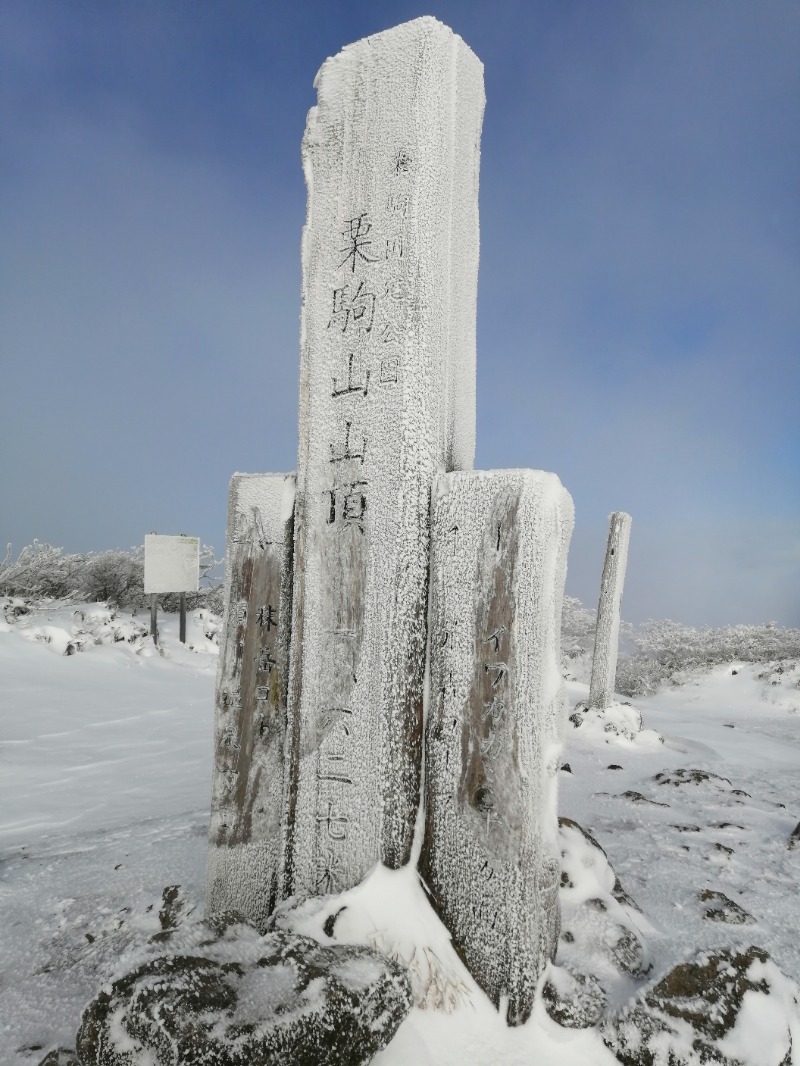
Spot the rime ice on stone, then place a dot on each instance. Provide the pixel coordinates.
(606, 641)
(245, 836)
(490, 855)
(387, 397)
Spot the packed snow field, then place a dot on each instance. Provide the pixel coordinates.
(106, 753)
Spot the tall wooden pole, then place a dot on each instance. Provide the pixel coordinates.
(182, 634)
(606, 640)
(387, 401)
(154, 618)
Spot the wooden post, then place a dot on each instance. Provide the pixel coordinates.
(154, 618)
(490, 855)
(606, 639)
(182, 635)
(246, 834)
(387, 401)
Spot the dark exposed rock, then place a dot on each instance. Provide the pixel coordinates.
(687, 828)
(596, 905)
(172, 907)
(637, 797)
(628, 953)
(687, 777)
(566, 768)
(722, 909)
(794, 837)
(574, 1000)
(60, 1057)
(621, 896)
(175, 908)
(683, 1018)
(330, 922)
(291, 1001)
(576, 718)
(614, 766)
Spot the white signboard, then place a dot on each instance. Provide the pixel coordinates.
(171, 564)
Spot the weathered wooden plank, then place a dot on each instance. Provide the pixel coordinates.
(490, 854)
(246, 837)
(606, 639)
(387, 394)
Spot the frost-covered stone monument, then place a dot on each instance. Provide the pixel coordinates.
(327, 665)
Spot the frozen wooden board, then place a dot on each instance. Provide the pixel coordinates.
(490, 855)
(246, 836)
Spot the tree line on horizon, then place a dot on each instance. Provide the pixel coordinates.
(655, 653)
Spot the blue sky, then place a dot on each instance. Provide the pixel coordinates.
(639, 288)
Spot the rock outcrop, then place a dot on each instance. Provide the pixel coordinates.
(279, 999)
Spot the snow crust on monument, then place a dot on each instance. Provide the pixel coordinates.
(387, 401)
(490, 854)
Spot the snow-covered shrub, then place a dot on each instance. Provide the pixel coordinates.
(44, 572)
(40, 571)
(113, 577)
(577, 629)
(668, 652)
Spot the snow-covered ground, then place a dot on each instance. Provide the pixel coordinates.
(105, 780)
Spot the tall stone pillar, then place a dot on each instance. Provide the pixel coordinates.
(246, 837)
(490, 855)
(606, 640)
(387, 397)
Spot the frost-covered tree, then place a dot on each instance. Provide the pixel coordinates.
(44, 572)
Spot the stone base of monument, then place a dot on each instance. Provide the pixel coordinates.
(230, 996)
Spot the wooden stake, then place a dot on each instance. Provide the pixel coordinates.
(183, 619)
(154, 618)
(606, 641)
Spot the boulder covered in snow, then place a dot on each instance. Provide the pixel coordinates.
(724, 1007)
(278, 999)
(602, 954)
(615, 722)
(722, 909)
(573, 999)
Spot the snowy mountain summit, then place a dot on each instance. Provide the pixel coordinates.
(384, 876)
